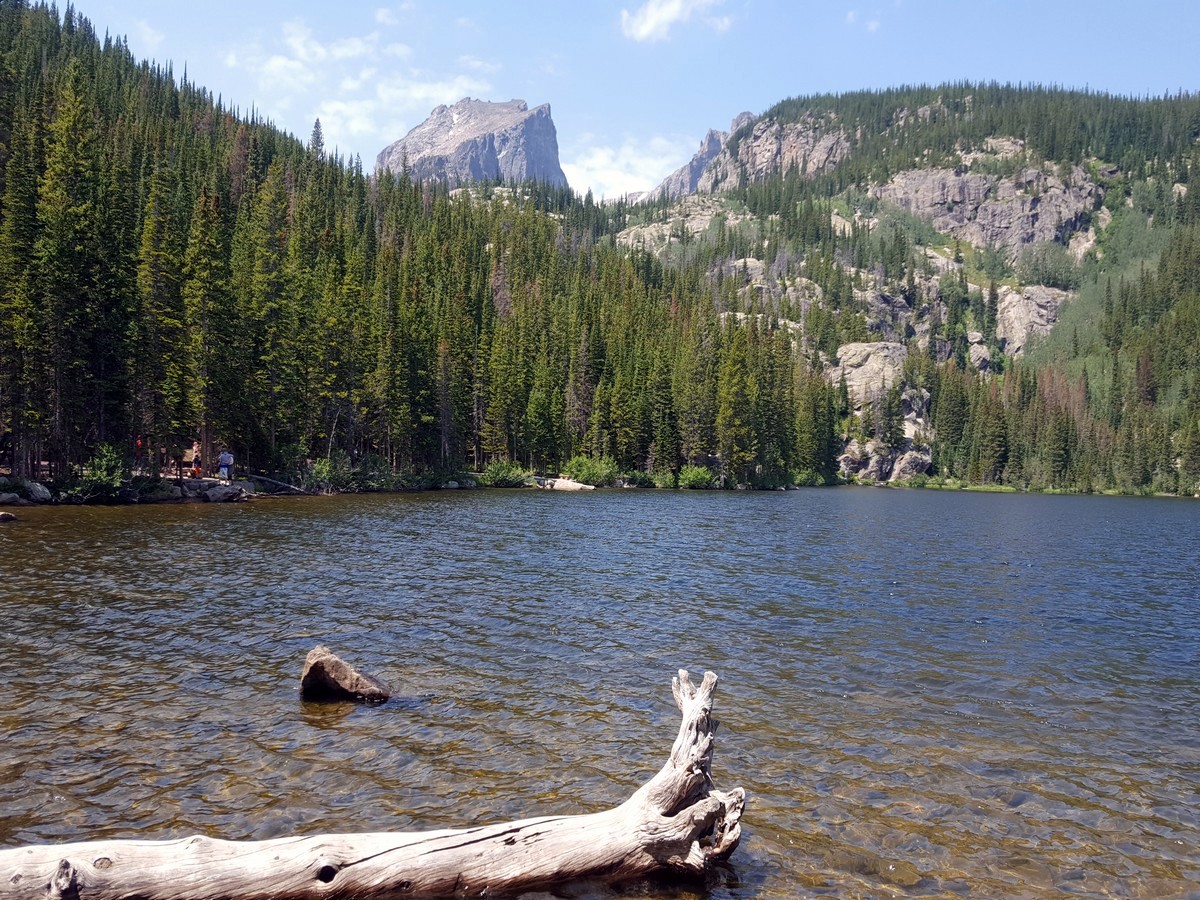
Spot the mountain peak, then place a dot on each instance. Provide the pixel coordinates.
(684, 180)
(474, 140)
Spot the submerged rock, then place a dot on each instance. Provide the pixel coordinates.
(327, 677)
(7, 517)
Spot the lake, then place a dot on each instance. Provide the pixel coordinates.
(923, 693)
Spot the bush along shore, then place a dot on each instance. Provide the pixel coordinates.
(108, 480)
(102, 482)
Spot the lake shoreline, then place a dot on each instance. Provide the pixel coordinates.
(16, 493)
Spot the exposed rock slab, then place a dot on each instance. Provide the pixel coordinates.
(1035, 205)
(328, 677)
(813, 145)
(476, 140)
(910, 464)
(1033, 310)
(869, 369)
(563, 484)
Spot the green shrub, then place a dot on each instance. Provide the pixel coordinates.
(807, 478)
(102, 479)
(664, 480)
(374, 473)
(696, 478)
(588, 470)
(638, 478)
(331, 473)
(503, 473)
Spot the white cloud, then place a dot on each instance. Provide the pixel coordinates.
(871, 25)
(385, 16)
(279, 70)
(371, 93)
(633, 166)
(354, 47)
(148, 37)
(353, 83)
(421, 96)
(357, 122)
(298, 38)
(475, 64)
(653, 20)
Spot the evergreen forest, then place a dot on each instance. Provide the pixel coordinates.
(172, 269)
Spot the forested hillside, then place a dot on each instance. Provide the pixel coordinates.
(174, 269)
(1107, 401)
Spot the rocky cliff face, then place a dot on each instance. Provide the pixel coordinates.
(812, 145)
(684, 180)
(475, 140)
(1032, 206)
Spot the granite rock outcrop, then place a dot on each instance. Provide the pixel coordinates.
(477, 140)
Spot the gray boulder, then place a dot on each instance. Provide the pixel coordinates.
(38, 493)
(226, 493)
(9, 499)
(981, 357)
(327, 677)
(910, 464)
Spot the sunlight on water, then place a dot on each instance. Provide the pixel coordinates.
(923, 693)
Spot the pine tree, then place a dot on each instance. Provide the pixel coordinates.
(736, 395)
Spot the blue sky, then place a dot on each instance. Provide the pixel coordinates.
(633, 84)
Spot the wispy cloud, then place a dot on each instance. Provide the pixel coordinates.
(380, 93)
(872, 25)
(475, 64)
(420, 95)
(654, 19)
(385, 16)
(147, 37)
(616, 171)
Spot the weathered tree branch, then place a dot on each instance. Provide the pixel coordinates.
(676, 822)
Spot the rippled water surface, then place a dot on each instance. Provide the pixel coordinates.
(923, 693)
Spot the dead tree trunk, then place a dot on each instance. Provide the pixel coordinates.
(676, 822)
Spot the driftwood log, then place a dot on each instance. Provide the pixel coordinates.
(677, 822)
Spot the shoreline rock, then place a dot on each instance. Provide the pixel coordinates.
(327, 677)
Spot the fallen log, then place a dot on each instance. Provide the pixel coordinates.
(280, 484)
(677, 822)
